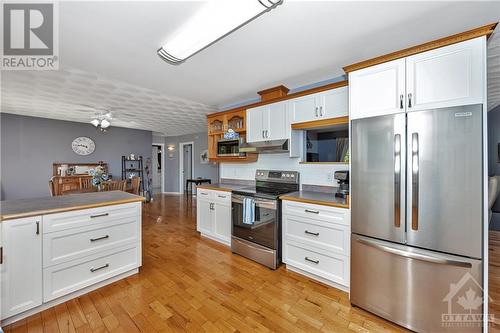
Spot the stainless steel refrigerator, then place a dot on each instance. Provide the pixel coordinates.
(416, 211)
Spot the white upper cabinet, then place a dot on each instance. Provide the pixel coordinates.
(255, 123)
(377, 90)
(304, 108)
(445, 77)
(324, 105)
(21, 275)
(268, 122)
(334, 103)
(448, 76)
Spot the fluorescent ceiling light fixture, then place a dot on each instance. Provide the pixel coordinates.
(214, 20)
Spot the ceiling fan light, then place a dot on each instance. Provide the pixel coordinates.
(105, 123)
(214, 20)
(95, 122)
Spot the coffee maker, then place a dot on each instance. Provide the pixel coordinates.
(343, 179)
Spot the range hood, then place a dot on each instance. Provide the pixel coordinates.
(266, 147)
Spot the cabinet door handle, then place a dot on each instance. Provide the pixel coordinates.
(409, 99)
(401, 97)
(99, 238)
(312, 260)
(312, 211)
(1, 255)
(99, 215)
(99, 268)
(267, 134)
(203, 193)
(316, 111)
(221, 196)
(38, 227)
(321, 111)
(311, 233)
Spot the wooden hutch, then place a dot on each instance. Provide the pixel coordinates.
(71, 181)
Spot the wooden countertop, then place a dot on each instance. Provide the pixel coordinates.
(317, 198)
(13, 209)
(221, 187)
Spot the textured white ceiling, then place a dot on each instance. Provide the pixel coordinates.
(494, 70)
(108, 56)
(70, 94)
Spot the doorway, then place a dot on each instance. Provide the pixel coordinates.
(186, 158)
(157, 168)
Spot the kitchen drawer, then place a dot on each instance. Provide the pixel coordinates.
(203, 193)
(317, 212)
(332, 267)
(69, 277)
(222, 197)
(92, 216)
(66, 245)
(326, 236)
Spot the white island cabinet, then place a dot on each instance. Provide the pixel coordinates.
(213, 215)
(65, 251)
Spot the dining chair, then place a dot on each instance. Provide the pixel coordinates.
(116, 185)
(136, 185)
(85, 183)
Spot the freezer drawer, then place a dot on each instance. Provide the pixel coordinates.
(415, 288)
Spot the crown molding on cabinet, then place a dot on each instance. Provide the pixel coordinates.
(274, 92)
(316, 124)
(486, 30)
(284, 98)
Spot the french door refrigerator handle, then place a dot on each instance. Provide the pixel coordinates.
(413, 255)
(414, 180)
(397, 180)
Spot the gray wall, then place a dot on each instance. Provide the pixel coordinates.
(200, 140)
(30, 145)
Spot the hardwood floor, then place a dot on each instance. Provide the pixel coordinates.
(191, 284)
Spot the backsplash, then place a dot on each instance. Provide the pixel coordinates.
(312, 174)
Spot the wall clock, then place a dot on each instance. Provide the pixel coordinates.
(83, 145)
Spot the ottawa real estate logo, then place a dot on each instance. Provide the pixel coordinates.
(30, 36)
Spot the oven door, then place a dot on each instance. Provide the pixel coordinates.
(265, 228)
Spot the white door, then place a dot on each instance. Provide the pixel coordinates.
(304, 109)
(278, 122)
(222, 221)
(21, 275)
(377, 90)
(445, 77)
(255, 123)
(204, 216)
(334, 103)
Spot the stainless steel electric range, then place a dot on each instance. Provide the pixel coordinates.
(259, 238)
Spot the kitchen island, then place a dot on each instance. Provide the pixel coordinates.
(57, 248)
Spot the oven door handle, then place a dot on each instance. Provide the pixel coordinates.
(264, 203)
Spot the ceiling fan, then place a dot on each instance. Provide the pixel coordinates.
(101, 119)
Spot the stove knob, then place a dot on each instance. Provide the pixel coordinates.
(292, 175)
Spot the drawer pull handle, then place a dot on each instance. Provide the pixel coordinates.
(203, 193)
(312, 260)
(312, 211)
(221, 196)
(99, 215)
(99, 238)
(99, 268)
(311, 233)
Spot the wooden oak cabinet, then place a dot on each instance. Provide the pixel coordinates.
(220, 123)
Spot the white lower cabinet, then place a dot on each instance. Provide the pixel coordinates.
(21, 276)
(213, 215)
(316, 241)
(50, 256)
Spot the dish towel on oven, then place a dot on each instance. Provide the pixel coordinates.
(248, 211)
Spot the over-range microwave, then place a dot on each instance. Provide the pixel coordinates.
(229, 147)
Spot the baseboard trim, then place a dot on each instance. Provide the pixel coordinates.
(171, 192)
(65, 298)
(317, 278)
